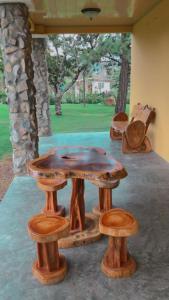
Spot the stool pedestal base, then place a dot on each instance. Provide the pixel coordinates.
(50, 277)
(125, 270)
(116, 261)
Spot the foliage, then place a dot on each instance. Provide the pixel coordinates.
(3, 97)
(90, 98)
(118, 52)
(68, 56)
(95, 98)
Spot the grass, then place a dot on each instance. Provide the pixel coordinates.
(5, 145)
(75, 118)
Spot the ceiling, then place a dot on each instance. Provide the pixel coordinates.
(64, 16)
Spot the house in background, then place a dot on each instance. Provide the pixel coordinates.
(97, 81)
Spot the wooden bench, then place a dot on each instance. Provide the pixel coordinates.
(133, 132)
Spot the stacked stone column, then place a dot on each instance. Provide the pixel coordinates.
(41, 85)
(16, 44)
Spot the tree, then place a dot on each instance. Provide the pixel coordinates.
(2, 78)
(117, 51)
(124, 73)
(68, 56)
(1, 63)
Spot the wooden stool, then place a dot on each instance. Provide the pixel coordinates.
(105, 195)
(50, 266)
(50, 187)
(118, 224)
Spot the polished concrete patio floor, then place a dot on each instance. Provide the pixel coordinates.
(145, 193)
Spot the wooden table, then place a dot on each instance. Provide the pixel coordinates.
(78, 163)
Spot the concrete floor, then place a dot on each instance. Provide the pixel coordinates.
(145, 193)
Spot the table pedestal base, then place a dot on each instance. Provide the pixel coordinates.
(88, 235)
(50, 277)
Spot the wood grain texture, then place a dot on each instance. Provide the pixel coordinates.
(50, 187)
(77, 162)
(120, 123)
(105, 195)
(118, 225)
(44, 229)
(77, 206)
(134, 139)
(89, 235)
(50, 266)
(50, 277)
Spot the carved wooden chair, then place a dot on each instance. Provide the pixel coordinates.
(120, 121)
(134, 137)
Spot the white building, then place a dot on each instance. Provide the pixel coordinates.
(97, 82)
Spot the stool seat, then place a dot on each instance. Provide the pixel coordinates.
(109, 184)
(118, 223)
(51, 185)
(44, 228)
(50, 266)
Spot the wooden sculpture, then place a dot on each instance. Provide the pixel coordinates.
(135, 139)
(78, 163)
(50, 187)
(50, 266)
(118, 224)
(120, 122)
(105, 195)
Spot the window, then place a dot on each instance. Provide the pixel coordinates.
(101, 85)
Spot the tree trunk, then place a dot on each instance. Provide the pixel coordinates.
(123, 85)
(84, 88)
(58, 106)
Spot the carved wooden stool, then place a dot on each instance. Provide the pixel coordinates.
(105, 195)
(50, 187)
(50, 266)
(118, 224)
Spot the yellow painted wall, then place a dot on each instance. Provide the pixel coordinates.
(150, 72)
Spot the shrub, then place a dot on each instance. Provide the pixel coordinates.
(3, 97)
(52, 99)
(95, 98)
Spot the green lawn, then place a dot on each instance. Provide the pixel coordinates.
(75, 118)
(5, 145)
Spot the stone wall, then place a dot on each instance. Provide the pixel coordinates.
(16, 44)
(41, 85)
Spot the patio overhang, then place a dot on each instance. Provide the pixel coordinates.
(52, 17)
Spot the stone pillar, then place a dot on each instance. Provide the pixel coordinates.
(41, 85)
(16, 45)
